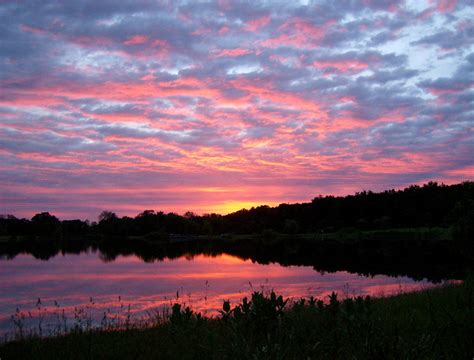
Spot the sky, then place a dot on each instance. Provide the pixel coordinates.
(216, 106)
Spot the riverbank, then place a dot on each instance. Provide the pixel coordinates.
(434, 323)
(347, 234)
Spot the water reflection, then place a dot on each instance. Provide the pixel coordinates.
(201, 281)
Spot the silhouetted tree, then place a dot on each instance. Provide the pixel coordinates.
(45, 224)
(109, 224)
(107, 215)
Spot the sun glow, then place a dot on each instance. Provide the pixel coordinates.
(233, 206)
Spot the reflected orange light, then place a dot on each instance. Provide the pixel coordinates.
(231, 259)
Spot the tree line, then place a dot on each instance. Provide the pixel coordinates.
(429, 205)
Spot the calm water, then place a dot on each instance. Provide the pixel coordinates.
(200, 281)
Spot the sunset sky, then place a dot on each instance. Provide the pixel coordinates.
(216, 106)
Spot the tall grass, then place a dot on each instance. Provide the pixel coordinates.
(436, 323)
(53, 321)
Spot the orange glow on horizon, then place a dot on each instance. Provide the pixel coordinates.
(228, 207)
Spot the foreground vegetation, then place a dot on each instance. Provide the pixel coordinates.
(432, 324)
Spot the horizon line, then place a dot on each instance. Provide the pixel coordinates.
(401, 188)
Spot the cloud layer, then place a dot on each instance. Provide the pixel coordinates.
(215, 106)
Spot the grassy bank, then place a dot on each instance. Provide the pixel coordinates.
(432, 324)
(420, 233)
(352, 234)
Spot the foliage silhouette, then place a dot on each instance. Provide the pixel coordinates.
(414, 207)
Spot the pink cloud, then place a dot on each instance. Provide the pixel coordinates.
(224, 30)
(298, 33)
(446, 6)
(231, 52)
(34, 30)
(136, 40)
(341, 65)
(256, 24)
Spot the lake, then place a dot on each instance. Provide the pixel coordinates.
(86, 280)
